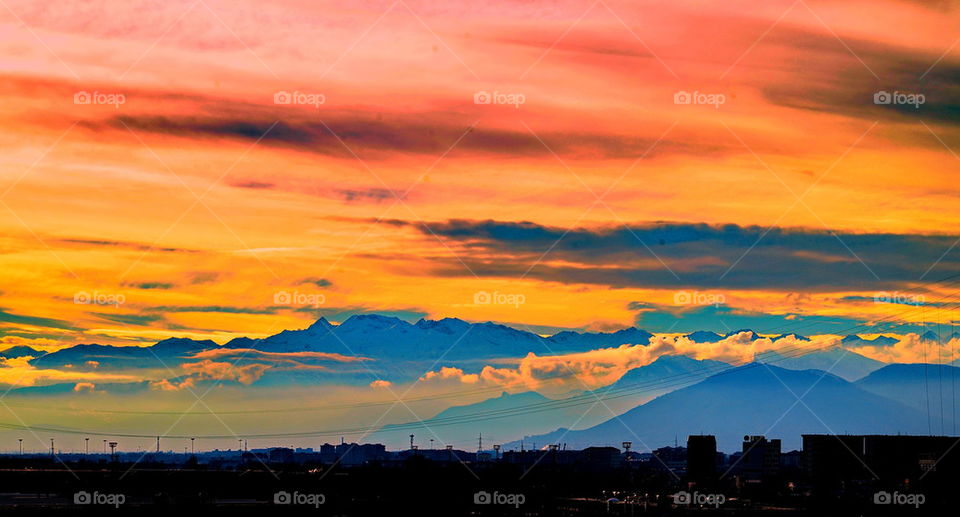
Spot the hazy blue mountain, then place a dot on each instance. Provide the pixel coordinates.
(793, 335)
(837, 360)
(941, 337)
(752, 335)
(854, 341)
(241, 342)
(925, 387)
(504, 402)
(752, 399)
(704, 336)
(20, 351)
(569, 340)
(398, 350)
(506, 414)
(503, 416)
(665, 374)
(88, 357)
(386, 337)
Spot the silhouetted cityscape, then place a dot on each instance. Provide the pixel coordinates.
(856, 474)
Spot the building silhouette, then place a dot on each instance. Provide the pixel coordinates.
(760, 459)
(701, 458)
(829, 458)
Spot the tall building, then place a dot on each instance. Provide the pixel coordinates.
(760, 458)
(702, 458)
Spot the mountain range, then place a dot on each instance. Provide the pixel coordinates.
(399, 351)
(675, 395)
(389, 338)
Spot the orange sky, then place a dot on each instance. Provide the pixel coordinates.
(199, 207)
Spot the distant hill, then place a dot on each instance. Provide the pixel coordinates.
(89, 357)
(924, 387)
(20, 351)
(509, 413)
(667, 373)
(854, 341)
(752, 399)
(458, 425)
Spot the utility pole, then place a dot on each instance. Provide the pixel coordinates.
(104, 446)
(52, 450)
(21, 445)
(480, 443)
(192, 450)
(86, 446)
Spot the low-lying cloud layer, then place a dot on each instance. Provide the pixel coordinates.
(598, 368)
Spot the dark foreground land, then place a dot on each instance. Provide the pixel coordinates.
(419, 486)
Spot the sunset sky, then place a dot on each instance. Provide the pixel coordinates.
(182, 200)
